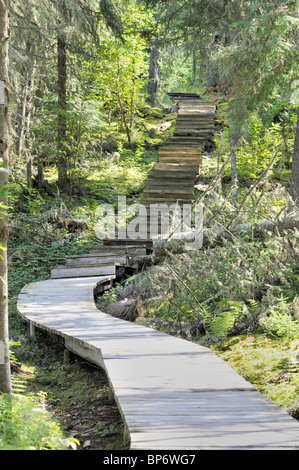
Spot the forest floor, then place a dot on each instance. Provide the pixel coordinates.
(75, 394)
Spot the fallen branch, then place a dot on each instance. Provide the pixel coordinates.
(264, 228)
(186, 286)
(66, 222)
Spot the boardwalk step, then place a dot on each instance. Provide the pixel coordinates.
(176, 167)
(172, 394)
(163, 183)
(92, 260)
(164, 174)
(115, 250)
(180, 152)
(63, 272)
(177, 152)
(173, 159)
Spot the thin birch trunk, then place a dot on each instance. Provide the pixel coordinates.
(24, 109)
(154, 75)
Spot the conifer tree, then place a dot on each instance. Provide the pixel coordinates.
(46, 34)
(75, 16)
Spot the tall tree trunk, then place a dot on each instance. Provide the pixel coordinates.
(5, 378)
(194, 66)
(24, 108)
(237, 107)
(235, 136)
(63, 180)
(234, 130)
(294, 189)
(120, 103)
(154, 75)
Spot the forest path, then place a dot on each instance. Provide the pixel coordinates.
(172, 394)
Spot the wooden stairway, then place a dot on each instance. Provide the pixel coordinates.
(179, 158)
(101, 261)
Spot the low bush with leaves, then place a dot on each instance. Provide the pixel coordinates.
(25, 425)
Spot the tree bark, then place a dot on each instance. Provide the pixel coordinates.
(235, 135)
(154, 75)
(294, 183)
(120, 103)
(237, 107)
(234, 131)
(24, 108)
(63, 180)
(5, 375)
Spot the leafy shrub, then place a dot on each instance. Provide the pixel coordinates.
(254, 157)
(279, 322)
(25, 425)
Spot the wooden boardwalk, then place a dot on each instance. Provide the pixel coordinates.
(172, 394)
(171, 181)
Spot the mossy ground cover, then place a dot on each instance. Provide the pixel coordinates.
(270, 364)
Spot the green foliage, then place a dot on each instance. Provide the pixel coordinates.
(278, 322)
(262, 361)
(122, 66)
(231, 313)
(239, 283)
(241, 278)
(25, 425)
(255, 156)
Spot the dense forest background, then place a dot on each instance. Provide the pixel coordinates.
(87, 82)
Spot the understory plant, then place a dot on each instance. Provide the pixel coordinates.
(25, 425)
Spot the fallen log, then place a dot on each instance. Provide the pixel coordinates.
(264, 228)
(66, 222)
(124, 309)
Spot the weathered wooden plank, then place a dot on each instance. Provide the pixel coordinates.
(90, 260)
(107, 251)
(174, 191)
(164, 173)
(82, 271)
(166, 200)
(165, 183)
(180, 150)
(178, 167)
(174, 159)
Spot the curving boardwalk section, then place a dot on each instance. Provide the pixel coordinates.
(172, 394)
